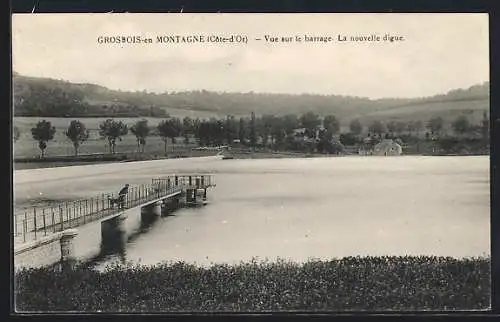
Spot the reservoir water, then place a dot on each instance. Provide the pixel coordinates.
(289, 208)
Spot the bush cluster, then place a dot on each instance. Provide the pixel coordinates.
(353, 283)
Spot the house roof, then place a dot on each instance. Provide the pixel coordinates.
(387, 144)
(300, 130)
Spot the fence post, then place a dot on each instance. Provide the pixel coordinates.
(15, 225)
(61, 219)
(25, 229)
(67, 211)
(91, 206)
(53, 221)
(134, 198)
(44, 223)
(85, 211)
(34, 219)
(25, 216)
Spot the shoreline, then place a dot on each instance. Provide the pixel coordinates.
(32, 163)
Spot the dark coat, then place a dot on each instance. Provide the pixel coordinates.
(124, 191)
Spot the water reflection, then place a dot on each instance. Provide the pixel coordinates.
(148, 219)
(114, 236)
(113, 242)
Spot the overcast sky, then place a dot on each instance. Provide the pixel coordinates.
(440, 52)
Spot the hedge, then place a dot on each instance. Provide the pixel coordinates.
(353, 283)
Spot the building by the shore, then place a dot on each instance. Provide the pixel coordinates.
(387, 148)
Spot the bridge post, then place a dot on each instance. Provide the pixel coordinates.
(164, 206)
(111, 225)
(182, 199)
(154, 208)
(151, 211)
(67, 247)
(189, 195)
(112, 234)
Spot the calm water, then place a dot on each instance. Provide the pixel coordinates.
(303, 208)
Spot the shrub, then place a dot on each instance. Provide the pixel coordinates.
(352, 283)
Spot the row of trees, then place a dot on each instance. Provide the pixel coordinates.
(110, 129)
(279, 132)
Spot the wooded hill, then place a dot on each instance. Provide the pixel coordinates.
(57, 98)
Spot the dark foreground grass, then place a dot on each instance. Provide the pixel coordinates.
(368, 283)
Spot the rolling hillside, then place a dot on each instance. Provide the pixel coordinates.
(44, 97)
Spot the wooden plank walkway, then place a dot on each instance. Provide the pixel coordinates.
(49, 220)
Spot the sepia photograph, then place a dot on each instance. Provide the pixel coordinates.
(179, 162)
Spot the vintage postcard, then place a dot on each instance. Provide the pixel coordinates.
(251, 162)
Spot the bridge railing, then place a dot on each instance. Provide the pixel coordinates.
(191, 181)
(42, 221)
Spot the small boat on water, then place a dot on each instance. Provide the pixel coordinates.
(224, 155)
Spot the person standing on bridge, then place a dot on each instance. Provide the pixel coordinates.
(121, 196)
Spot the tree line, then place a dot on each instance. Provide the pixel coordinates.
(306, 132)
(36, 97)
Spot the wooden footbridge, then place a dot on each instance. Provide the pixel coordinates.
(173, 190)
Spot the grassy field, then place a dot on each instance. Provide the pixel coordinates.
(449, 111)
(61, 145)
(354, 283)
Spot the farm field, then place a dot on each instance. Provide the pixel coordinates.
(61, 145)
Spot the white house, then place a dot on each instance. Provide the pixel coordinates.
(387, 148)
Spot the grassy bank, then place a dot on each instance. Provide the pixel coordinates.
(21, 163)
(242, 154)
(368, 283)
